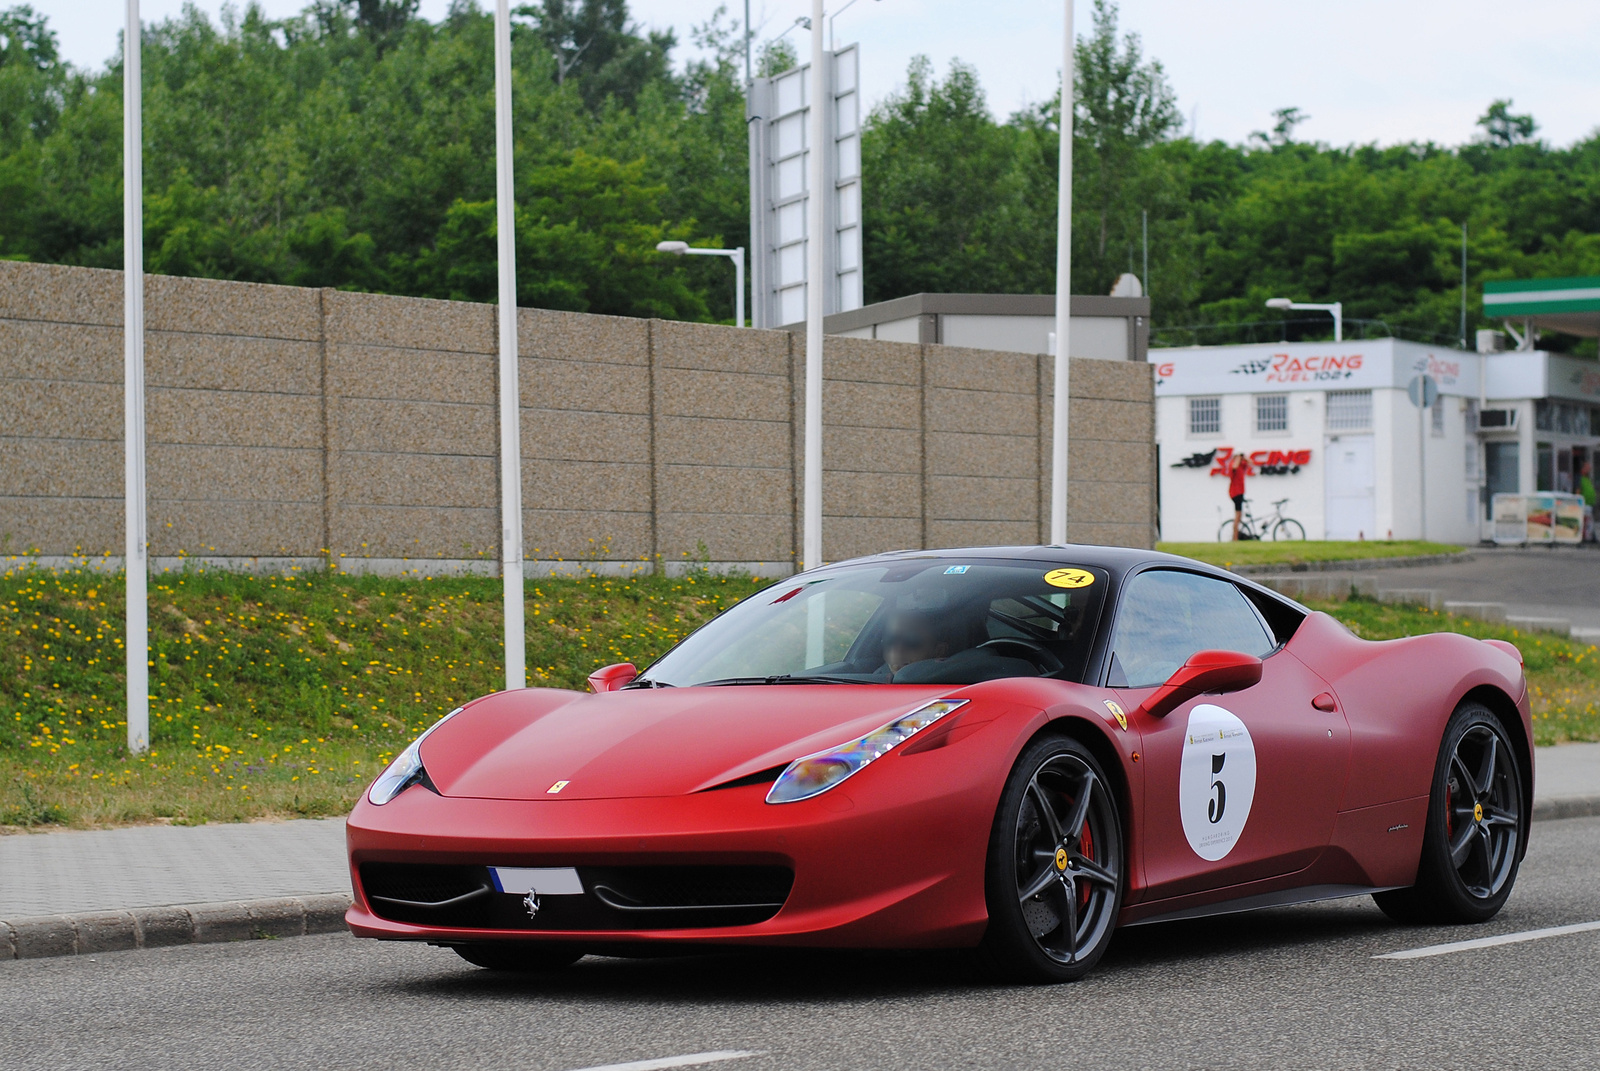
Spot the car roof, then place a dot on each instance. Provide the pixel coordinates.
(1118, 561)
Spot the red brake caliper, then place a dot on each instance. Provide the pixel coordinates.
(1086, 847)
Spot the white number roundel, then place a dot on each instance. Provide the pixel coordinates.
(1216, 782)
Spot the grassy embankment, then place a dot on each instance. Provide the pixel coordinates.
(284, 696)
(1258, 552)
(281, 696)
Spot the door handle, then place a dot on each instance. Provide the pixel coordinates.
(1325, 702)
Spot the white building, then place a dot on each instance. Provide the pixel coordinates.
(1329, 426)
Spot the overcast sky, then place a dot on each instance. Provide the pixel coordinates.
(1364, 70)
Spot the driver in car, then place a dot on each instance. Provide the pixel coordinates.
(921, 648)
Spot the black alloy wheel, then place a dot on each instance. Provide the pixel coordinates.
(1476, 829)
(519, 956)
(1055, 875)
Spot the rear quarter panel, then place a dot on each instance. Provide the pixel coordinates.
(1397, 696)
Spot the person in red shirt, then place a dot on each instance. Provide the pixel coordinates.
(1236, 470)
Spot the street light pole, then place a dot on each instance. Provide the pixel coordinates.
(1335, 308)
(816, 188)
(135, 561)
(510, 393)
(736, 255)
(1058, 442)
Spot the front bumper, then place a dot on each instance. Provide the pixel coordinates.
(873, 867)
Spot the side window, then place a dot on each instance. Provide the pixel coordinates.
(1167, 615)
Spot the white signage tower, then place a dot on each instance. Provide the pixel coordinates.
(778, 116)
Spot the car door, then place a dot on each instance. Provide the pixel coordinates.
(1238, 787)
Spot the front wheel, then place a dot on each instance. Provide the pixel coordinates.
(518, 956)
(1055, 874)
(1472, 843)
(1288, 528)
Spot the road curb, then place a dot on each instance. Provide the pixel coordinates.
(1354, 565)
(1551, 810)
(184, 924)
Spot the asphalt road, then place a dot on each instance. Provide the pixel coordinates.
(1559, 582)
(1289, 988)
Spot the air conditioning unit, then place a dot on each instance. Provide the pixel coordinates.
(1497, 419)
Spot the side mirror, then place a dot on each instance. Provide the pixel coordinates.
(610, 678)
(1206, 671)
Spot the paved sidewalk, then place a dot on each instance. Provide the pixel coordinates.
(149, 866)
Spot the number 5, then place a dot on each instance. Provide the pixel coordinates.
(1214, 807)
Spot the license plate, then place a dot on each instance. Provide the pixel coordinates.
(546, 881)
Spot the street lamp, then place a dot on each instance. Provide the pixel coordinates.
(736, 255)
(1336, 308)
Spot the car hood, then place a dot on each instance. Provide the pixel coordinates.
(649, 742)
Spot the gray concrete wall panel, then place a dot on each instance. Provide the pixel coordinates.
(295, 422)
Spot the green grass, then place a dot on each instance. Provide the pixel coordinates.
(1563, 675)
(281, 696)
(1256, 552)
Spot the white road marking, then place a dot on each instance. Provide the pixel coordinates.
(1490, 942)
(693, 1059)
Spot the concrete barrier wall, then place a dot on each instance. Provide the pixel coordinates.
(291, 423)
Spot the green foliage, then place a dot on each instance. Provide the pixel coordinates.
(353, 146)
(954, 200)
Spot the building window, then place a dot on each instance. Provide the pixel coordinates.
(1205, 416)
(1438, 417)
(1272, 412)
(1471, 412)
(1349, 410)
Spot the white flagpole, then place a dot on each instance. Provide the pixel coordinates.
(135, 561)
(1058, 444)
(816, 184)
(510, 399)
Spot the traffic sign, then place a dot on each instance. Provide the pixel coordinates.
(1423, 391)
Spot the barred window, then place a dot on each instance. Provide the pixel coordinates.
(1272, 412)
(1205, 416)
(1438, 417)
(1349, 410)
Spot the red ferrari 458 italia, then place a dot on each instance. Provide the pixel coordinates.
(1012, 749)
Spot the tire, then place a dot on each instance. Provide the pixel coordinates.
(1288, 528)
(1225, 533)
(518, 956)
(1058, 830)
(1472, 845)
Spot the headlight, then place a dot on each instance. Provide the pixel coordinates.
(406, 769)
(817, 773)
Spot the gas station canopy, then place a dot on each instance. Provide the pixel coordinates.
(1571, 306)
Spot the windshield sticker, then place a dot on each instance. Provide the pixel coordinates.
(955, 569)
(1216, 781)
(1069, 578)
(1118, 713)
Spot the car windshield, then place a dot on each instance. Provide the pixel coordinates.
(916, 621)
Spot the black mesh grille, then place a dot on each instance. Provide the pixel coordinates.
(421, 881)
(693, 886)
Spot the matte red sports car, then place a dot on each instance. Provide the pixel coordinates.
(1015, 749)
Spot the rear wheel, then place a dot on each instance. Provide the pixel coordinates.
(1288, 528)
(1055, 873)
(518, 956)
(1475, 829)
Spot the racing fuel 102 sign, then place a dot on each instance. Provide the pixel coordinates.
(1259, 462)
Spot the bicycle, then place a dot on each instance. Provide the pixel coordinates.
(1274, 525)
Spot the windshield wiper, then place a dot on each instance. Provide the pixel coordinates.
(786, 678)
(646, 682)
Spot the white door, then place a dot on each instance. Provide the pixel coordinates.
(1349, 488)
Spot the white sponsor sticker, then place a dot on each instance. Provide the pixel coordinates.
(1216, 782)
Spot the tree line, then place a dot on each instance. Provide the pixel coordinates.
(352, 145)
